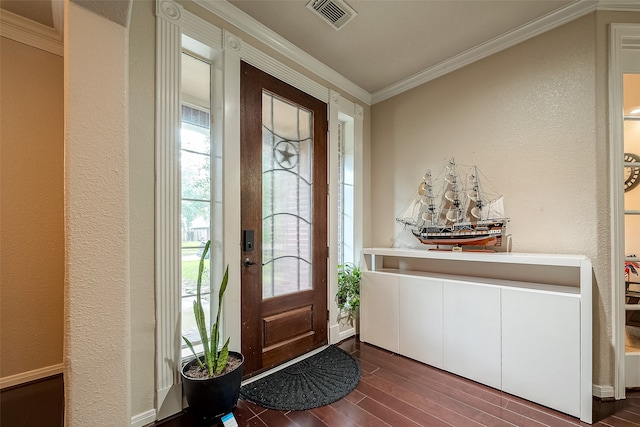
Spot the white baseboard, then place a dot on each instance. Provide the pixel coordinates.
(144, 418)
(602, 391)
(335, 335)
(25, 377)
(346, 334)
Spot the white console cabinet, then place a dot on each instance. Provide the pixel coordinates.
(520, 323)
(420, 319)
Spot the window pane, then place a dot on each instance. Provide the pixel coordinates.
(189, 328)
(196, 179)
(346, 198)
(190, 264)
(195, 221)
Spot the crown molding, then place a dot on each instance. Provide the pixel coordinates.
(34, 34)
(518, 35)
(246, 23)
(619, 5)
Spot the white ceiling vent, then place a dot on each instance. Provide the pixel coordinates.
(335, 12)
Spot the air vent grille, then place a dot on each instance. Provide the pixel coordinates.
(335, 12)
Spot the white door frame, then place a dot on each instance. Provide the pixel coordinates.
(623, 36)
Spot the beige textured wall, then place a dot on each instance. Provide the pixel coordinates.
(533, 118)
(141, 203)
(31, 213)
(524, 116)
(97, 345)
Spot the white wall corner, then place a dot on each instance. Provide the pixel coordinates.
(144, 418)
(602, 391)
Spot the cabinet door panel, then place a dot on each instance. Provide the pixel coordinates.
(541, 348)
(472, 346)
(379, 310)
(420, 314)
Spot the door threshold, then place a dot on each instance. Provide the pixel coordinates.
(284, 365)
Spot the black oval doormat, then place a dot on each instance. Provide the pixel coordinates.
(316, 381)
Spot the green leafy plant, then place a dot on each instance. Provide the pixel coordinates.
(348, 296)
(214, 360)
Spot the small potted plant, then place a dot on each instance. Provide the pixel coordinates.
(348, 295)
(211, 382)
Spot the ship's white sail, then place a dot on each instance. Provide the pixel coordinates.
(412, 212)
(495, 209)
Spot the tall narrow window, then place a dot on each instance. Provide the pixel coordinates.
(346, 195)
(196, 184)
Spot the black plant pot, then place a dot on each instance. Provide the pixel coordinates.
(211, 398)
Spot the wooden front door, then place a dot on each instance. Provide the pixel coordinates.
(284, 221)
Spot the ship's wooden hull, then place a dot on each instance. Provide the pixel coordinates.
(474, 241)
(464, 237)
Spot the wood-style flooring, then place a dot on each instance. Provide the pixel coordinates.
(397, 391)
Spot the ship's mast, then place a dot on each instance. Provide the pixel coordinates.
(475, 195)
(455, 210)
(429, 212)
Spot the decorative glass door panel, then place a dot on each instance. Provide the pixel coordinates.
(287, 204)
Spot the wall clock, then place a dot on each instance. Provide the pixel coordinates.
(631, 175)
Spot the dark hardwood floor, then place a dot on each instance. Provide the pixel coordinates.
(396, 391)
(38, 403)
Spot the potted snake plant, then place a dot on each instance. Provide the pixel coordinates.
(211, 381)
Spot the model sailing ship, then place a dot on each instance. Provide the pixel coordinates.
(455, 211)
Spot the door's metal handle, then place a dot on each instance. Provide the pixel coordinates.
(247, 262)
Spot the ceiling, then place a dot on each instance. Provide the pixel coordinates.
(391, 45)
(391, 40)
(39, 11)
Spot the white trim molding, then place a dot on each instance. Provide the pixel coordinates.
(31, 33)
(34, 375)
(622, 36)
(619, 5)
(143, 419)
(602, 391)
(168, 219)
